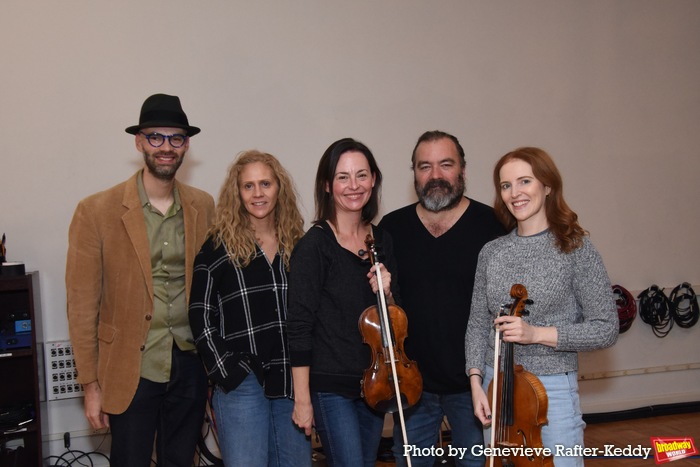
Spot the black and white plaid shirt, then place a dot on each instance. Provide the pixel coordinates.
(238, 319)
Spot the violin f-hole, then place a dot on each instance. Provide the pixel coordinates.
(525, 444)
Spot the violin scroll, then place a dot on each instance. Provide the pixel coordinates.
(519, 293)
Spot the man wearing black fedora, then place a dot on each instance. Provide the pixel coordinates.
(129, 268)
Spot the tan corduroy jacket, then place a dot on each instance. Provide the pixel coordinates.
(109, 284)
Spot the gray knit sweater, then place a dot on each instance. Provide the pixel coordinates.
(570, 291)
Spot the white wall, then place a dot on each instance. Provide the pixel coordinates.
(608, 87)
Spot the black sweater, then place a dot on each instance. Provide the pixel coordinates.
(436, 280)
(328, 291)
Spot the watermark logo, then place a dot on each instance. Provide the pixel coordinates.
(672, 449)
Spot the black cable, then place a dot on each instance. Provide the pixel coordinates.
(685, 304)
(77, 456)
(626, 307)
(656, 310)
(203, 451)
(66, 462)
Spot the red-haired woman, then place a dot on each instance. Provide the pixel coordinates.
(573, 308)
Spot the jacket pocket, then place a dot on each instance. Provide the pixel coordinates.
(106, 333)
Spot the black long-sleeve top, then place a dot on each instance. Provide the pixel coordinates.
(437, 279)
(328, 291)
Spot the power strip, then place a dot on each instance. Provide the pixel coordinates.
(61, 375)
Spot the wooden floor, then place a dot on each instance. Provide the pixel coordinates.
(633, 433)
(638, 432)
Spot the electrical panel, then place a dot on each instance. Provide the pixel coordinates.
(61, 375)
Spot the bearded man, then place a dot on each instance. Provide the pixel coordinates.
(129, 268)
(436, 245)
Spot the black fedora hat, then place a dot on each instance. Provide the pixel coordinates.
(161, 110)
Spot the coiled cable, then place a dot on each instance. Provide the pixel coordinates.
(656, 310)
(626, 307)
(685, 305)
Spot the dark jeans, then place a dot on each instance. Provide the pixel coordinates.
(423, 422)
(350, 431)
(171, 413)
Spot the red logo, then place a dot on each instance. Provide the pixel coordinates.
(671, 449)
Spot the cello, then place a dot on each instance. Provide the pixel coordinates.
(518, 403)
(392, 382)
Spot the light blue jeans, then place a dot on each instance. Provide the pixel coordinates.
(423, 422)
(350, 431)
(565, 423)
(256, 431)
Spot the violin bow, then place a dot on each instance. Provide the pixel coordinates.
(494, 392)
(387, 335)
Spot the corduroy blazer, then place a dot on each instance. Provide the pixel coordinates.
(109, 286)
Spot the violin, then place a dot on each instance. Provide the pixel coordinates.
(392, 381)
(518, 402)
(391, 372)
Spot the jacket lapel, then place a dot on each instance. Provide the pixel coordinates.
(136, 231)
(190, 213)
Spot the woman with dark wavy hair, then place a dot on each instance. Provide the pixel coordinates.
(238, 314)
(332, 282)
(573, 308)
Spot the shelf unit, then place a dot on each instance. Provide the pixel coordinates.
(20, 357)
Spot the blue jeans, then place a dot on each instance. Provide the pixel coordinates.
(256, 431)
(565, 423)
(171, 412)
(423, 422)
(350, 431)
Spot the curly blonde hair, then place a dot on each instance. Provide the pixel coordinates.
(232, 226)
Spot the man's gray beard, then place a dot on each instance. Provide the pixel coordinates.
(440, 200)
(161, 173)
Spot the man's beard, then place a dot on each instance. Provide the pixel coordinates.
(440, 195)
(166, 173)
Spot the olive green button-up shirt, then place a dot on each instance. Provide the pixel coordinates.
(169, 322)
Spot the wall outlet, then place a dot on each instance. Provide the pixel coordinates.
(61, 375)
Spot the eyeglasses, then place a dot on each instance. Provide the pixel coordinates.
(156, 139)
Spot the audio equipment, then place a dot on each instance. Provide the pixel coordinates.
(15, 330)
(14, 416)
